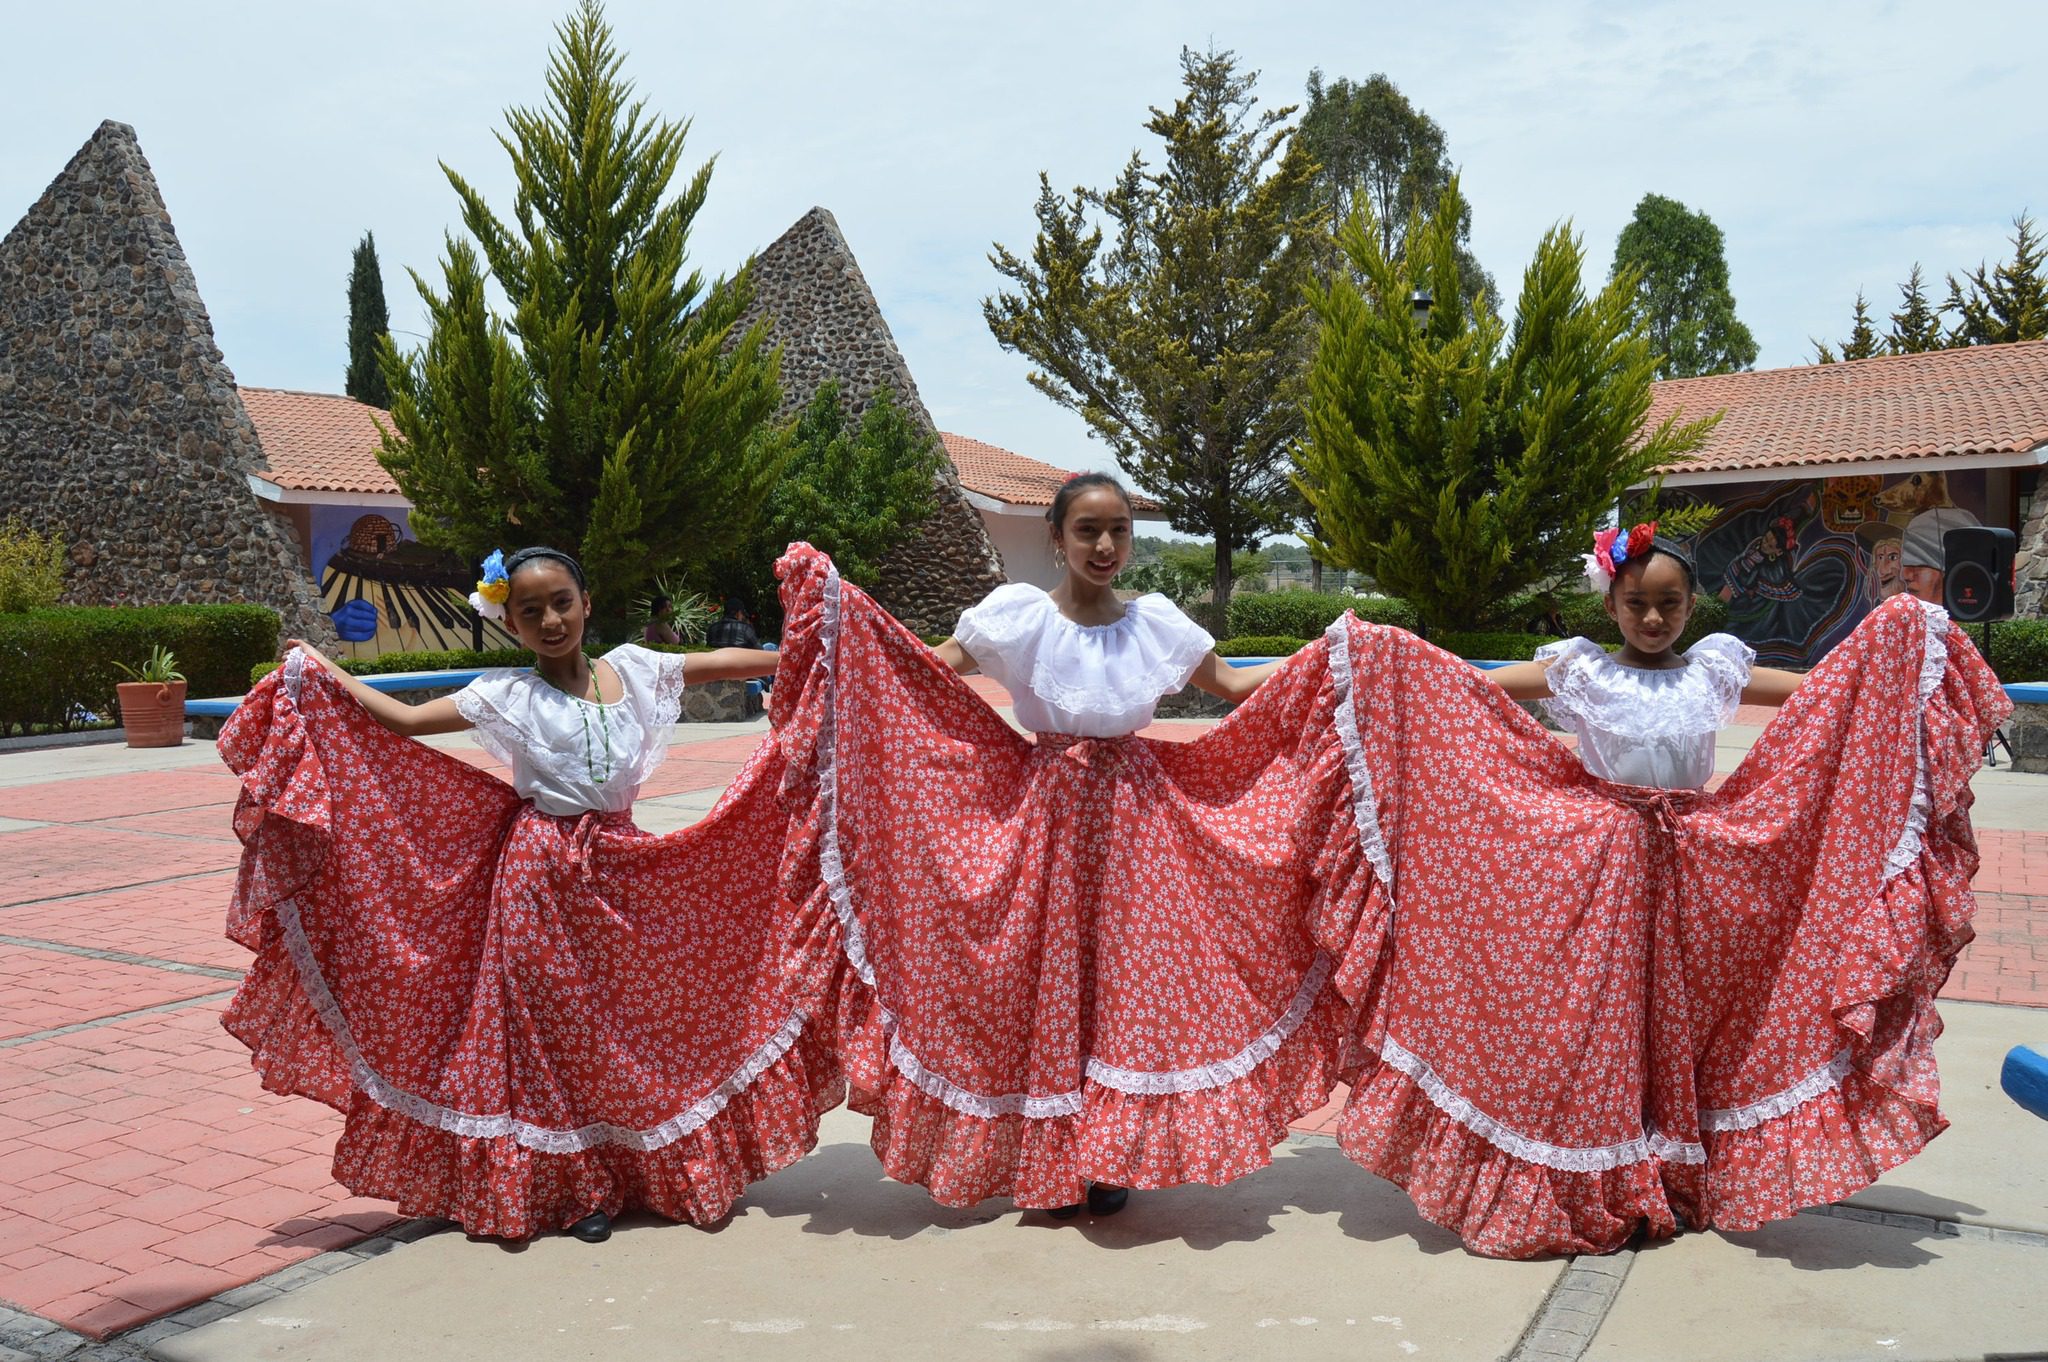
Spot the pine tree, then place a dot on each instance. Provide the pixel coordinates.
(1680, 265)
(1457, 460)
(615, 413)
(2009, 303)
(1863, 339)
(369, 324)
(1916, 326)
(1181, 340)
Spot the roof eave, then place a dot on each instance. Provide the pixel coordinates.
(1843, 468)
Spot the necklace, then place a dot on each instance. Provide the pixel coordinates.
(604, 727)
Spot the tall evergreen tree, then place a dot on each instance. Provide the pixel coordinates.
(1181, 340)
(615, 413)
(2008, 303)
(1457, 460)
(369, 324)
(1680, 266)
(1863, 339)
(1916, 326)
(1372, 144)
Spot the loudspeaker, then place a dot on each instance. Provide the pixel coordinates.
(1977, 582)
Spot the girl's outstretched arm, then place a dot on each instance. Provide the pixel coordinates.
(728, 664)
(1523, 680)
(1770, 686)
(410, 721)
(958, 658)
(1226, 682)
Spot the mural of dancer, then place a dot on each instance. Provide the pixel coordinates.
(1794, 588)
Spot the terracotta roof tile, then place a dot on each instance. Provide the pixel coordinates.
(317, 442)
(999, 474)
(1987, 399)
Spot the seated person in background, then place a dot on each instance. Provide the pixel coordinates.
(661, 628)
(733, 625)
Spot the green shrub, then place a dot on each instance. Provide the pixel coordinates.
(458, 659)
(1258, 645)
(1305, 614)
(2019, 649)
(31, 567)
(58, 665)
(1491, 645)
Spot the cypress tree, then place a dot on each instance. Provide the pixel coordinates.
(2009, 303)
(1457, 460)
(1863, 339)
(1916, 326)
(616, 412)
(369, 324)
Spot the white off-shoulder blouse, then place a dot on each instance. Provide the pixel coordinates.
(1646, 726)
(1086, 680)
(568, 755)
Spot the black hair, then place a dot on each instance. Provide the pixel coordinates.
(655, 606)
(539, 551)
(1659, 544)
(735, 606)
(1056, 514)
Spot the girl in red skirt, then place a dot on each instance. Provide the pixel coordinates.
(1074, 962)
(1604, 998)
(532, 1014)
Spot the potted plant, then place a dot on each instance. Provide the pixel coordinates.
(153, 704)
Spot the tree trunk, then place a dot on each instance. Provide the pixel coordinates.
(1219, 593)
(1315, 573)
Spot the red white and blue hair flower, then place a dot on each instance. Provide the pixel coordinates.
(1611, 548)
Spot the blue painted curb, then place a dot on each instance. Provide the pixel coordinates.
(2025, 1078)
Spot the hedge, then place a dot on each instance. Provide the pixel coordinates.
(1305, 614)
(58, 665)
(1260, 645)
(457, 660)
(2019, 649)
(1491, 645)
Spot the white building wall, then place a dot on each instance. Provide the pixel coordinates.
(1025, 545)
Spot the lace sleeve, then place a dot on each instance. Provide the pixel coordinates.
(1726, 660)
(655, 681)
(487, 703)
(1568, 678)
(1184, 642)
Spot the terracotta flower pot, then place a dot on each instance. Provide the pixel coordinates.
(153, 713)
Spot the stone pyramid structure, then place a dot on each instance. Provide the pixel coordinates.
(821, 311)
(120, 425)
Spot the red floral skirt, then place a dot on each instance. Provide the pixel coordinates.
(1567, 1008)
(524, 1018)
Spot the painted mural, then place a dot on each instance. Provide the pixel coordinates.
(387, 593)
(1800, 563)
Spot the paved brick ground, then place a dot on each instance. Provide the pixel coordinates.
(141, 1166)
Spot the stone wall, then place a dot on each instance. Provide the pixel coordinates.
(2030, 558)
(120, 425)
(826, 319)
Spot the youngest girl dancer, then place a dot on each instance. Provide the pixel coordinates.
(532, 1013)
(1608, 999)
(1646, 715)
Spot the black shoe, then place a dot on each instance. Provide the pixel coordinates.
(1064, 1212)
(1104, 1199)
(594, 1228)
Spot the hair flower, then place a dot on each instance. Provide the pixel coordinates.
(1640, 538)
(494, 590)
(1601, 562)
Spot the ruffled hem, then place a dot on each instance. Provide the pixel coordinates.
(1146, 1140)
(1499, 1205)
(494, 1174)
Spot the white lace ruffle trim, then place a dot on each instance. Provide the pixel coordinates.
(1365, 813)
(1933, 666)
(1602, 1158)
(984, 1106)
(480, 1126)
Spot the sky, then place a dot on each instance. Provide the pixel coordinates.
(1835, 144)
